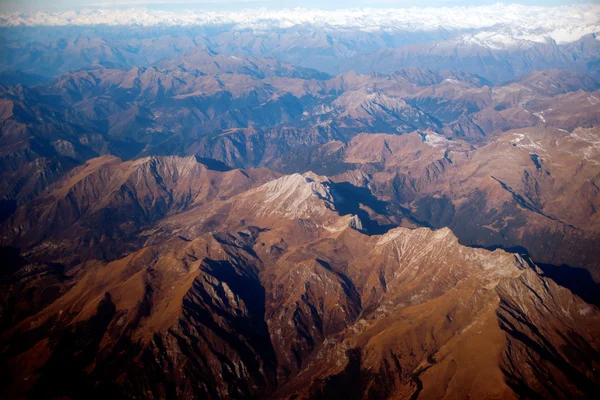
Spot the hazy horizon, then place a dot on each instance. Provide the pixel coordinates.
(9, 6)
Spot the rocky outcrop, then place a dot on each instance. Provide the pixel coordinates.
(101, 204)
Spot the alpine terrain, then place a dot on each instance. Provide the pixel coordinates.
(294, 203)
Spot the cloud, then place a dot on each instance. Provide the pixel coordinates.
(117, 3)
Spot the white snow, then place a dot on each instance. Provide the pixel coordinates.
(519, 137)
(435, 140)
(591, 152)
(540, 116)
(529, 144)
(497, 26)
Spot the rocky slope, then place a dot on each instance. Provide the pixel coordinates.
(287, 297)
(102, 203)
(231, 113)
(530, 190)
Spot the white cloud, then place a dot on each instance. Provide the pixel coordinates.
(116, 3)
(500, 23)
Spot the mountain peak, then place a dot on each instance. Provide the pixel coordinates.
(292, 196)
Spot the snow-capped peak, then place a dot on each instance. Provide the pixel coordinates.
(500, 24)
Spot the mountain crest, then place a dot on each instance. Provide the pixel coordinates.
(292, 196)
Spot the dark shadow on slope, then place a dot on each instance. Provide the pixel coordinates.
(245, 333)
(356, 382)
(539, 348)
(319, 159)
(65, 374)
(125, 149)
(348, 287)
(15, 77)
(213, 165)
(434, 212)
(7, 208)
(352, 199)
(527, 203)
(11, 260)
(347, 384)
(513, 249)
(578, 280)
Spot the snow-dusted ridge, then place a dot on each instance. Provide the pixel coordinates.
(498, 24)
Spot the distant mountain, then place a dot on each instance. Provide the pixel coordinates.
(203, 61)
(499, 42)
(220, 108)
(16, 77)
(42, 138)
(495, 64)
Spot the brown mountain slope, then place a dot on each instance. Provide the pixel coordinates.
(308, 308)
(103, 204)
(247, 119)
(529, 189)
(41, 138)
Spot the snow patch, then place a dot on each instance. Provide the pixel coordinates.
(540, 116)
(435, 140)
(519, 137)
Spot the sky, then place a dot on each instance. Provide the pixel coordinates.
(60, 5)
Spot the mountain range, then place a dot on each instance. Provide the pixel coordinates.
(309, 209)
